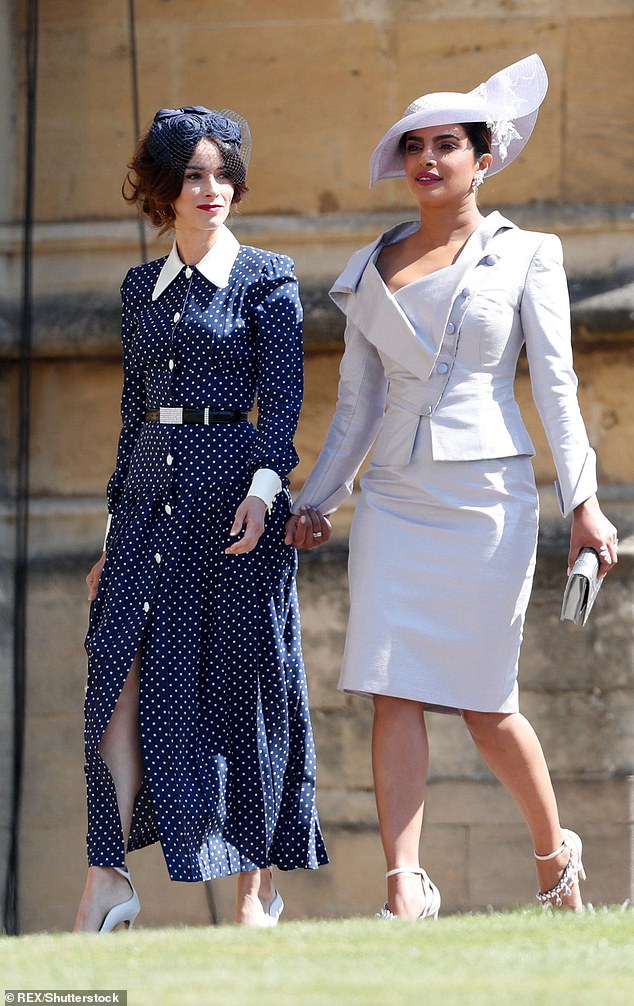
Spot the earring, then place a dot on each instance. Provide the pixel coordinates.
(478, 179)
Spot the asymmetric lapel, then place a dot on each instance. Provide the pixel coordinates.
(409, 326)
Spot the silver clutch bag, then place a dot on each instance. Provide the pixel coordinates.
(582, 588)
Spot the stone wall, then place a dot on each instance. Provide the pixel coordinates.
(319, 83)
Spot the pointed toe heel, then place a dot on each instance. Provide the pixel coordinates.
(127, 911)
(275, 908)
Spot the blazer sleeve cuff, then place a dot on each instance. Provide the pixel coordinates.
(326, 506)
(571, 494)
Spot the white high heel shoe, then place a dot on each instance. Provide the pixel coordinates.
(573, 872)
(127, 911)
(431, 906)
(274, 909)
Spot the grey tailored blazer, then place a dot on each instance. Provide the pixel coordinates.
(446, 348)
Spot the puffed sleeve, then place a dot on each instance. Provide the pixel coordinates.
(354, 427)
(545, 315)
(132, 398)
(280, 364)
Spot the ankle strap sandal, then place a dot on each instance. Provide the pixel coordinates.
(431, 894)
(572, 873)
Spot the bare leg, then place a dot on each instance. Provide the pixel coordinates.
(120, 748)
(400, 757)
(255, 891)
(511, 749)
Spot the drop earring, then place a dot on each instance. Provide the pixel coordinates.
(478, 179)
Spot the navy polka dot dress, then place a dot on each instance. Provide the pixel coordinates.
(226, 737)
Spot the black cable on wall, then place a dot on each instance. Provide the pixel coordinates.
(11, 919)
(134, 70)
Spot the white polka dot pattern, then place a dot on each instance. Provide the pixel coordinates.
(225, 728)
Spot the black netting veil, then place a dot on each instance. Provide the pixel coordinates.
(176, 132)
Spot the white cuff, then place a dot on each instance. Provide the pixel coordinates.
(265, 484)
(105, 537)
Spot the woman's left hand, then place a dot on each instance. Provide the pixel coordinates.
(250, 516)
(308, 530)
(592, 529)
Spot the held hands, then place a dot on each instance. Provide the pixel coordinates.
(250, 516)
(308, 530)
(592, 529)
(93, 578)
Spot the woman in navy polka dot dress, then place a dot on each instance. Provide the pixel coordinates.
(198, 733)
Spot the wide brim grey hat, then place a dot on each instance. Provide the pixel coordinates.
(508, 102)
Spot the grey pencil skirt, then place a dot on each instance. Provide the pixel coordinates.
(442, 555)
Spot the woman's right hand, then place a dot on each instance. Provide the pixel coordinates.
(592, 529)
(92, 580)
(307, 530)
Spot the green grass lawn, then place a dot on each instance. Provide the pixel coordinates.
(522, 958)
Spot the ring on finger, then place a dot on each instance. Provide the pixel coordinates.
(317, 534)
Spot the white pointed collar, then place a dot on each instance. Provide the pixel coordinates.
(215, 266)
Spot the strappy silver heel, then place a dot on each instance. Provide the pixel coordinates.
(430, 892)
(127, 911)
(573, 872)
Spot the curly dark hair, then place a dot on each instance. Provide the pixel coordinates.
(154, 187)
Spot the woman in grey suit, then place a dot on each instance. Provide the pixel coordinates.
(442, 547)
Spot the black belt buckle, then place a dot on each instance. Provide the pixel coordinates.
(205, 416)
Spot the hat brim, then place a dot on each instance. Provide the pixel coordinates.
(512, 95)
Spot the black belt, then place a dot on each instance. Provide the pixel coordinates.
(178, 415)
